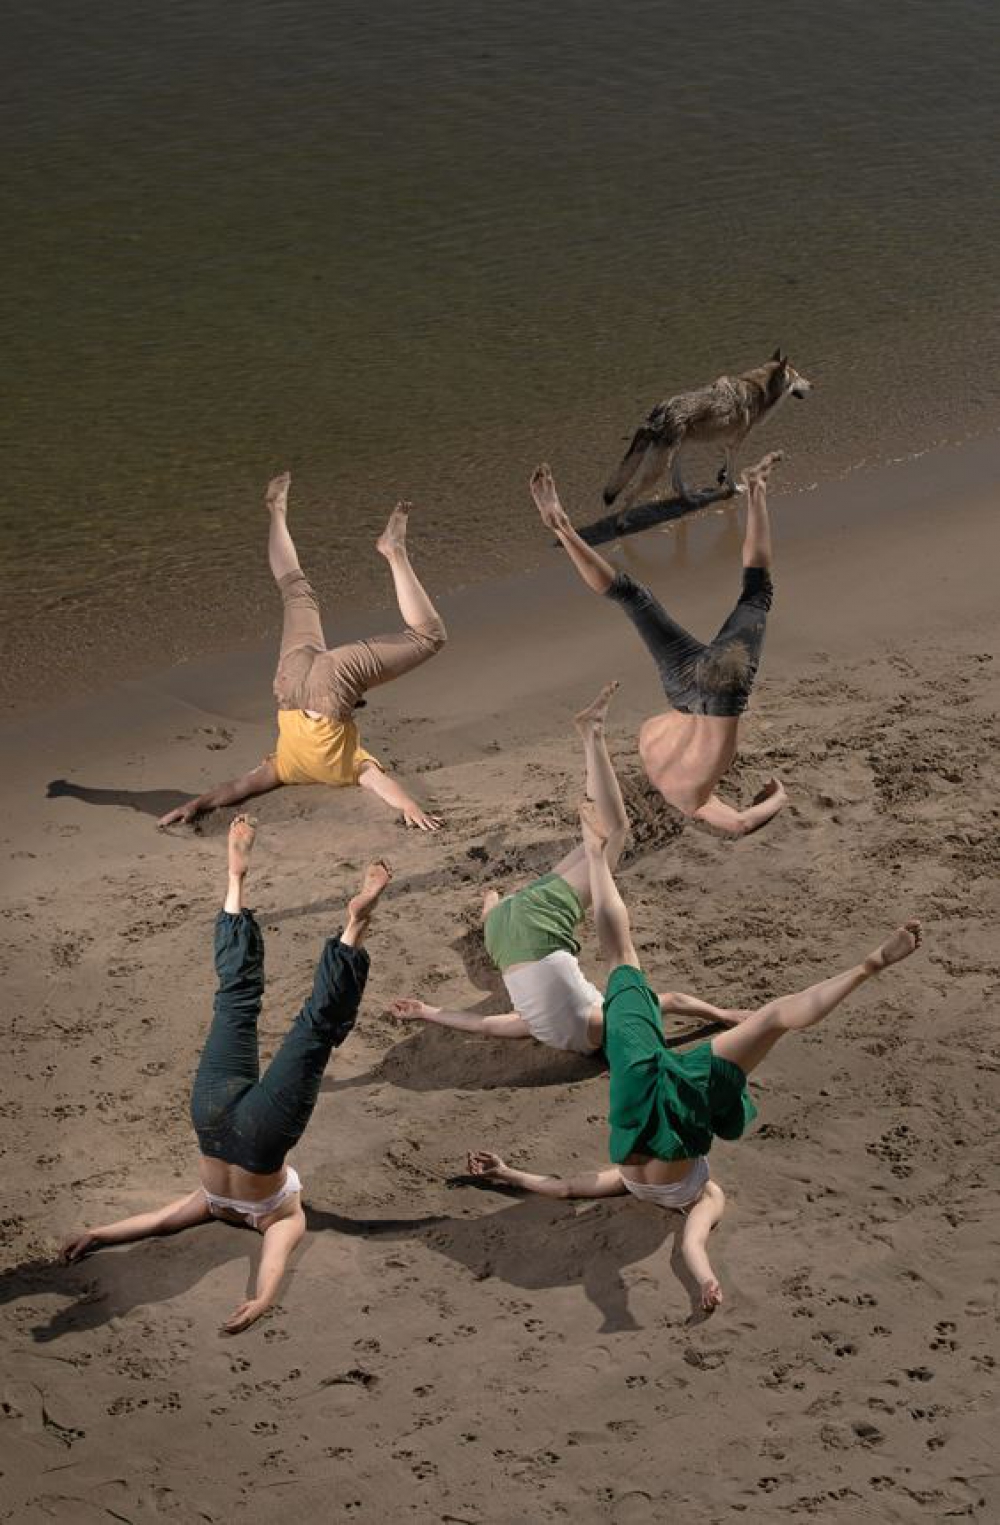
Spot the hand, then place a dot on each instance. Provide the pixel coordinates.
(78, 1246)
(411, 1009)
(483, 1163)
(246, 1314)
(415, 815)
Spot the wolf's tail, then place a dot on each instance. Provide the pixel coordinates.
(658, 429)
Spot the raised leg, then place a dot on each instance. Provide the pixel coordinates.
(603, 789)
(750, 1042)
(597, 573)
(610, 916)
(229, 1062)
(290, 1085)
(281, 552)
(757, 541)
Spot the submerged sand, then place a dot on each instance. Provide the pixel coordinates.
(447, 1353)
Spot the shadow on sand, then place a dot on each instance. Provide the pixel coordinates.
(113, 1282)
(534, 1244)
(645, 516)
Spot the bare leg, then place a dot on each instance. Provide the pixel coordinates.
(414, 604)
(242, 834)
(750, 1042)
(281, 550)
(757, 542)
(610, 915)
(595, 571)
(602, 788)
(361, 908)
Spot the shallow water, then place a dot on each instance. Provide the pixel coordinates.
(408, 250)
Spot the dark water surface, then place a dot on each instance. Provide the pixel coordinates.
(408, 249)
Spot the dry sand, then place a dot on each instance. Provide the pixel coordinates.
(447, 1353)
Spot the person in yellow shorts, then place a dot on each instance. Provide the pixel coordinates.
(318, 689)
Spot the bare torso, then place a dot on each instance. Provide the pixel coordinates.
(225, 1180)
(685, 756)
(652, 1172)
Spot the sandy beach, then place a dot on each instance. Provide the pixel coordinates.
(441, 1351)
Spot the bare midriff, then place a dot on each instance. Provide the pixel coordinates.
(649, 1171)
(685, 756)
(224, 1180)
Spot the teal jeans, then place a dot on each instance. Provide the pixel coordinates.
(241, 1116)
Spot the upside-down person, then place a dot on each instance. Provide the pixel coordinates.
(247, 1123)
(318, 688)
(665, 1108)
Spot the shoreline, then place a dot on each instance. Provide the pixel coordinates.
(126, 652)
(857, 502)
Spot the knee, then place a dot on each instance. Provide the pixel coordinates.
(432, 635)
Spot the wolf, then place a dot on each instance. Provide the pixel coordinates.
(725, 410)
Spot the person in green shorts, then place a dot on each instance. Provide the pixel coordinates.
(666, 1108)
(531, 935)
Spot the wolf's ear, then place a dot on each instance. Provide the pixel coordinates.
(779, 358)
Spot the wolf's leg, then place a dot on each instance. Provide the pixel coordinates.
(677, 479)
(652, 466)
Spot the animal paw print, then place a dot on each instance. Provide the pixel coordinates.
(944, 1332)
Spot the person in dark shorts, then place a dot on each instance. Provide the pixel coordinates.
(665, 1108)
(246, 1122)
(687, 751)
(319, 688)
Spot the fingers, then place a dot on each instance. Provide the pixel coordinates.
(245, 1315)
(421, 821)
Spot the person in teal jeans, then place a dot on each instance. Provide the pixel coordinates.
(665, 1108)
(247, 1122)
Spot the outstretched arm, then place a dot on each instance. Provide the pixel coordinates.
(508, 1024)
(260, 780)
(182, 1213)
(739, 823)
(698, 1224)
(679, 1004)
(391, 790)
(596, 1183)
(279, 1242)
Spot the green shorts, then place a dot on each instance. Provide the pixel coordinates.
(534, 922)
(666, 1104)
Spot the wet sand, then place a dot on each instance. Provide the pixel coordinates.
(443, 1352)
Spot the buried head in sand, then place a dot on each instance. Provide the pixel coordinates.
(319, 689)
(666, 1108)
(687, 750)
(247, 1122)
(531, 935)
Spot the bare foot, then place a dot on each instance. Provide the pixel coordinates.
(756, 476)
(277, 492)
(543, 490)
(393, 538)
(595, 833)
(592, 718)
(377, 876)
(904, 941)
(242, 834)
(491, 900)
(183, 815)
(711, 1294)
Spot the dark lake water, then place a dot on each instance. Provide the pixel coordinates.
(408, 249)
